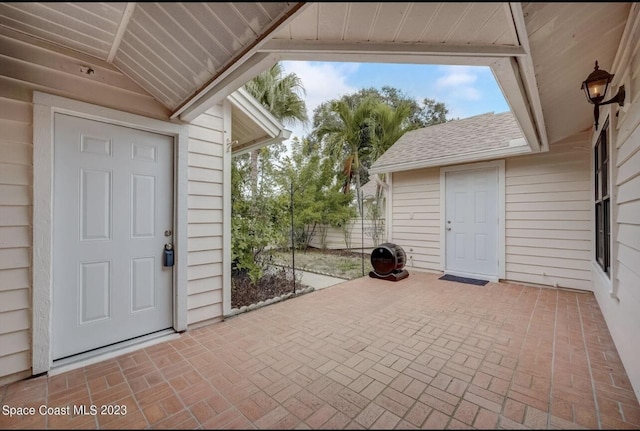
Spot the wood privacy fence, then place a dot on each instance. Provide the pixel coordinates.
(349, 237)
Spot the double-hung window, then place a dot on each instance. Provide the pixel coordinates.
(601, 153)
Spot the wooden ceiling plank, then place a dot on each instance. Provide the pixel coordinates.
(45, 15)
(390, 18)
(122, 27)
(175, 70)
(332, 17)
(238, 67)
(159, 40)
(459, 23)
(445, 19)
(51, 32)
(151, 68)
(357, 25)
(233, 26)
(198, 34)
(255, 16)
(292, 47)
(166, 95)
(305, 26)
(28, 49)
(99, 14)
(180, 37)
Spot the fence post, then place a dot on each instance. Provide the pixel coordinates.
(293, 244)
(362, 229)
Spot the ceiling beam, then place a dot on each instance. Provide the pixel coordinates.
(506, 72)
(231, 82)
(316, 47)
(200, 100)
(122, 27)
(528, 76)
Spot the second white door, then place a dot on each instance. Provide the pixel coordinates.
(471, 223)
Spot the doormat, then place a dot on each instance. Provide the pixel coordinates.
(450, 277)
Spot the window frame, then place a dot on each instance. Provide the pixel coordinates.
(602, 199)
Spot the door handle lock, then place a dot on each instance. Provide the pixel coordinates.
(448, 228)
(168, 255)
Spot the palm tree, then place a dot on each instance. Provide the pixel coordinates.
(282, 95)
(390, 125)
(346, 139)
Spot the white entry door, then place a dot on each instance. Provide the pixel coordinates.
(471, 223)
(112, 216)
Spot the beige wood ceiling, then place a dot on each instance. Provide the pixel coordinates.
(566, 39)
(446, 23)
(171, 49)
(175, 50)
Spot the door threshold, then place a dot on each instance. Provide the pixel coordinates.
(108, 352)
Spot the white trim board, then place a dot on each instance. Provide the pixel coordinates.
(44, 108)
(226, 210)
(500, 164)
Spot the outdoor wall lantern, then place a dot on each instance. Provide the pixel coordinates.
(596, 86)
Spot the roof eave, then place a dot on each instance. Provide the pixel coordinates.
(451, 160)
(260, 143)
(273, 130)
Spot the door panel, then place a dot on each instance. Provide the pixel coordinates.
(113, 201)
(471, 222)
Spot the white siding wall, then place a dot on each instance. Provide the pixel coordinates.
(548, 215)
(415, 224)
(27, 65)
(619, 298)
(16, 175)
(205, 216)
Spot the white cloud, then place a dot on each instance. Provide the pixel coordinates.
(322, 81)
(460, 86)
(459, 82)
(455, 76)
(466, 93)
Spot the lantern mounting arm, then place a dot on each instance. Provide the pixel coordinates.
(618, 98)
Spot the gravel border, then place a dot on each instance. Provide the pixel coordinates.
(260, 304)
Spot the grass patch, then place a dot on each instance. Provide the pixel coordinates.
(336, 263)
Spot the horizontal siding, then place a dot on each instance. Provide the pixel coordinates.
(621, 312)
(416, 216)
(16, 179)
(26, 65)
(205, 243)
(204, 301)
(548, 215)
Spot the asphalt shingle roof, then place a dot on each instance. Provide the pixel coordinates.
(482, 132)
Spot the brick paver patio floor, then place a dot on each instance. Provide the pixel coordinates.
(419, 353)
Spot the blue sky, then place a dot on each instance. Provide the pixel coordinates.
(465, 90)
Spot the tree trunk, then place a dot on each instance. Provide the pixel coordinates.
(359, 197)
(254, 173)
